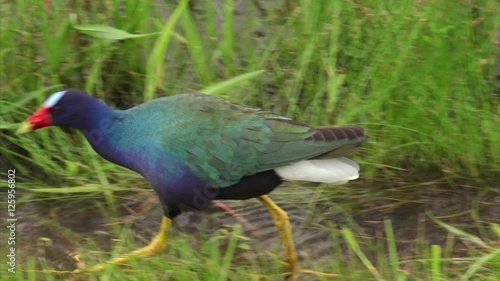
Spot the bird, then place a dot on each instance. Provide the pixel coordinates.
(195, 148)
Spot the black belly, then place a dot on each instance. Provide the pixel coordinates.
(198, 196)
(251, 186)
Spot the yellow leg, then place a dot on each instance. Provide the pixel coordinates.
(280, 219)
(156, 245)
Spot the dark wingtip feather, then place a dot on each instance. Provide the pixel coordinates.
(350, 137)
(350, 132)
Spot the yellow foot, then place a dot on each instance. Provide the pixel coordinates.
(280, 219)
(156, 245)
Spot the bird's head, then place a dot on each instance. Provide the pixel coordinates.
(64, 108)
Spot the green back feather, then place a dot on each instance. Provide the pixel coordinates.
(222, 141)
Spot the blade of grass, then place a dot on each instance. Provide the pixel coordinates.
(108, 32)
(224, 85)
(85, 188)
(227, 45)
(155, 71)
(210, 23)
(56, 44)
(335, 80)
(338, 265)
(229, 255)
(448, 249)
(496, 229)
(393, 252)
(195, 45)
(436, 262)
(353, 244)
(460, 233)
(476, 266)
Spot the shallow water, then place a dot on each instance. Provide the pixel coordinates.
(71, 225)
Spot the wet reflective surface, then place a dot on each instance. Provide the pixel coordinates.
(54, 230)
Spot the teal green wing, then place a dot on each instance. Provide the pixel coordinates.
(223, 142)
(293, 141)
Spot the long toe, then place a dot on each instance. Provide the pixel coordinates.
(156, 245)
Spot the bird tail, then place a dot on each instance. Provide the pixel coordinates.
(331, 167)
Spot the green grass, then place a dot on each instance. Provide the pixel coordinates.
(420, 76)
(422, 83)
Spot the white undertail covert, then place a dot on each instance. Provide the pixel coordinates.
(334, 171)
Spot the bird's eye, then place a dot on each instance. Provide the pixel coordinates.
(56, 109)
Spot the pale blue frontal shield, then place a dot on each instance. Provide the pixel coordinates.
(54, 98)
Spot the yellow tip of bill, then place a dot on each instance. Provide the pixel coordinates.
(25, 128)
